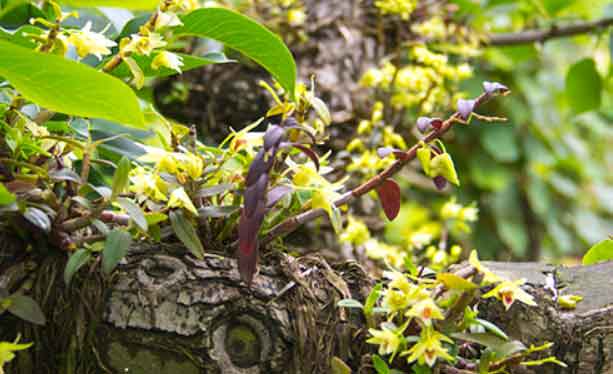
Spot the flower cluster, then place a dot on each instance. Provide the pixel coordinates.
(402, 8)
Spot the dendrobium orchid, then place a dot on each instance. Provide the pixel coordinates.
(509, 291)
(88, 42)
(429, 348)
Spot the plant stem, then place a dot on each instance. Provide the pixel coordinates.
(294, 222)
(555, 31)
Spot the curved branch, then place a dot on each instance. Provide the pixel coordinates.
(294, 222)
(555, 31)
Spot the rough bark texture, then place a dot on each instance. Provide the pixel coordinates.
(165, 312)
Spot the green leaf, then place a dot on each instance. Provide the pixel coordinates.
(135, 212)
(246, 36)
(127, 4)
(584, 86)
(492, 328)
(120, 179)
(26, 308)
(67, 86)
(372, 299)
(189, 62)
(116, 247)
(350, 303)
(602, 251)
(79, 258)
(338, 366)
(500, 143)
(380, 365)
(186, 232)
(500, 346)
(6, 197)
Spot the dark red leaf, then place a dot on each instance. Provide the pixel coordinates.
(248, 228)
(309, 152)
(436, 123)
(389, 194)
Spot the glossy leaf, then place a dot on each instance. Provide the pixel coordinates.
(50, 80)
(76, 261)
(135, 212)
(246, 36)
(602, 251)
(116, 247)
(186, 232)
(584, 86)
(389, 195)
(26, 308)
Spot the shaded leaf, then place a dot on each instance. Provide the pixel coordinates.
(218, 211)
(492, 328)
(100, 95)
(214, 190)
(64, 174)
(338, 366)
(79, 258)
(116, 247)
(186, 232)
(389, 195)
(26, 308)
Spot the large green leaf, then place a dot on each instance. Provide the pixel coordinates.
(246, 36)
(67, 86)
(189, 62)
(602, 251)
(26, 308)
(584, 86)
(127, 4)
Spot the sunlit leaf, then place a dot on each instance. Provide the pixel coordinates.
(603, 251)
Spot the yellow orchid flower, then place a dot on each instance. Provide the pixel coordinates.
(387, 340)
(7, 351)
(429, 348)
(167, 59)
(88, 42)
(147, 184)
(425, 310)
(509, 291)
(179, 199)
(488, 276)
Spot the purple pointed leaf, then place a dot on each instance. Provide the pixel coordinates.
(273, 137)
(255, 193)
(465, 108)
(276, 194)
(309, 152)
(259, 166)
(389, 195)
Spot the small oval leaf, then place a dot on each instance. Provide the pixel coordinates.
(389, 194)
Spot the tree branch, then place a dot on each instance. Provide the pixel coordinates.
(294, 222)
(555, 31)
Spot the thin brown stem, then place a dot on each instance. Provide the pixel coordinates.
(294, 222)
(555, 31)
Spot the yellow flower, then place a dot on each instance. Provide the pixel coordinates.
(355, 233)
(296, 17)
(569, 301)
(147, 184)
(144, 45)
(381, 251)
(387, 340)
(508, 292)
(403, 8)
(7, 351)
(88, 42)
(167, 59)
(425, 310)
(192, 165)
(167, 19)
(488, 276)
(179, 199)
(399, 281)
(429, 348)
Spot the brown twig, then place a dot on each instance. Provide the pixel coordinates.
(555, 31)
(294, 222)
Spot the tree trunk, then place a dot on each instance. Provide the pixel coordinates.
(165, 312)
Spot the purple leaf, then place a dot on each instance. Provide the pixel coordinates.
(273, 137)
(495, 88)
(440, 182)
(389, 194)
(309, 152)
(259, 166)
(276, 194)
(248, 228)
(255, 193)
(465, 108)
